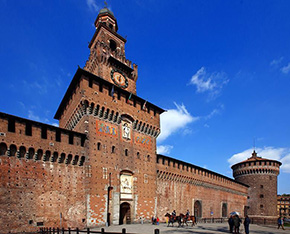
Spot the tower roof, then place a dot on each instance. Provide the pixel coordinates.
(106, 10)
(255, 158)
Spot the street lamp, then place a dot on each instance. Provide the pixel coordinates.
(108, 200)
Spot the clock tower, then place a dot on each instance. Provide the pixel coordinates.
(107, 54)
(121, 130)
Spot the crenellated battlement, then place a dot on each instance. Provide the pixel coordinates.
(92, 88)
(31, 140)
(173, 169)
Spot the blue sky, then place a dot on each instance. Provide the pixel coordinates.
(220, 68)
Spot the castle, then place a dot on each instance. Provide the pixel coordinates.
(100, 165)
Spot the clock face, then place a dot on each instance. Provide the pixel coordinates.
(119, 78)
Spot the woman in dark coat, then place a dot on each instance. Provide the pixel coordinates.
(247, 222)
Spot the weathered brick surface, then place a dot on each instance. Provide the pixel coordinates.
(33, 188)
(180, 185)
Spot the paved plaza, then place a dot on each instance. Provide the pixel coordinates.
(199, 228)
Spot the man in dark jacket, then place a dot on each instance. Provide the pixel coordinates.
(247, 222)
(231, 224)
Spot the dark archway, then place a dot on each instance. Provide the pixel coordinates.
(197, 209)
(125, 213)
(3, 149)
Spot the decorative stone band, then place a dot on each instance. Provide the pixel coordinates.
(86, 108)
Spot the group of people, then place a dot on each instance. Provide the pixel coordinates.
(155, 221)
(187, 213)
(235, 221)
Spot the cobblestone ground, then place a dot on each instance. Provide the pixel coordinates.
(199, 228)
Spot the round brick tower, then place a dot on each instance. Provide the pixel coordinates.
(260, 175)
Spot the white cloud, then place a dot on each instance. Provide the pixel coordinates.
(279, 154)
(286, 163)
(164, 149)
(35, 117)
(174, 120)
(276, 62)
(209, 82)
(93, 5)
(216, 111)
(286, 69)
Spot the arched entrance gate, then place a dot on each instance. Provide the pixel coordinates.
(125, 213)
(197, 209)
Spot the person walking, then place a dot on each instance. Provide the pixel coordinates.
(280, 223)
(247, 222)
(231, 223)
(237, 222)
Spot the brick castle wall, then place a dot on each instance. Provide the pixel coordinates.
(42, 180)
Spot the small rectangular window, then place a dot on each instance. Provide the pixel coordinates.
(44, 132)
(28, 129)
(11, 125)
(101, 87)
(71, 138)
(83, 141)
(90, 82)
(261, 196)
(58, 135)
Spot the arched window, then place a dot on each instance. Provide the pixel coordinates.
(3, 149)
(38, 155)
(99, 146)
(31, 153)
(68, 159)
(76, 159)
(54, 157)
(82, 161)
(12, 150)
(61, 158)
(113, 149)
(22, 152)
(126, 152)
(47, 155)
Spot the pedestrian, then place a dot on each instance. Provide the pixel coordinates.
(166, 220)
(280, 223)
(153, 220)
(237, 222)
(157, 221)
(247, 222)
(231, 223)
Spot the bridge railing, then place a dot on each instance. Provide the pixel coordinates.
(87, 231)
